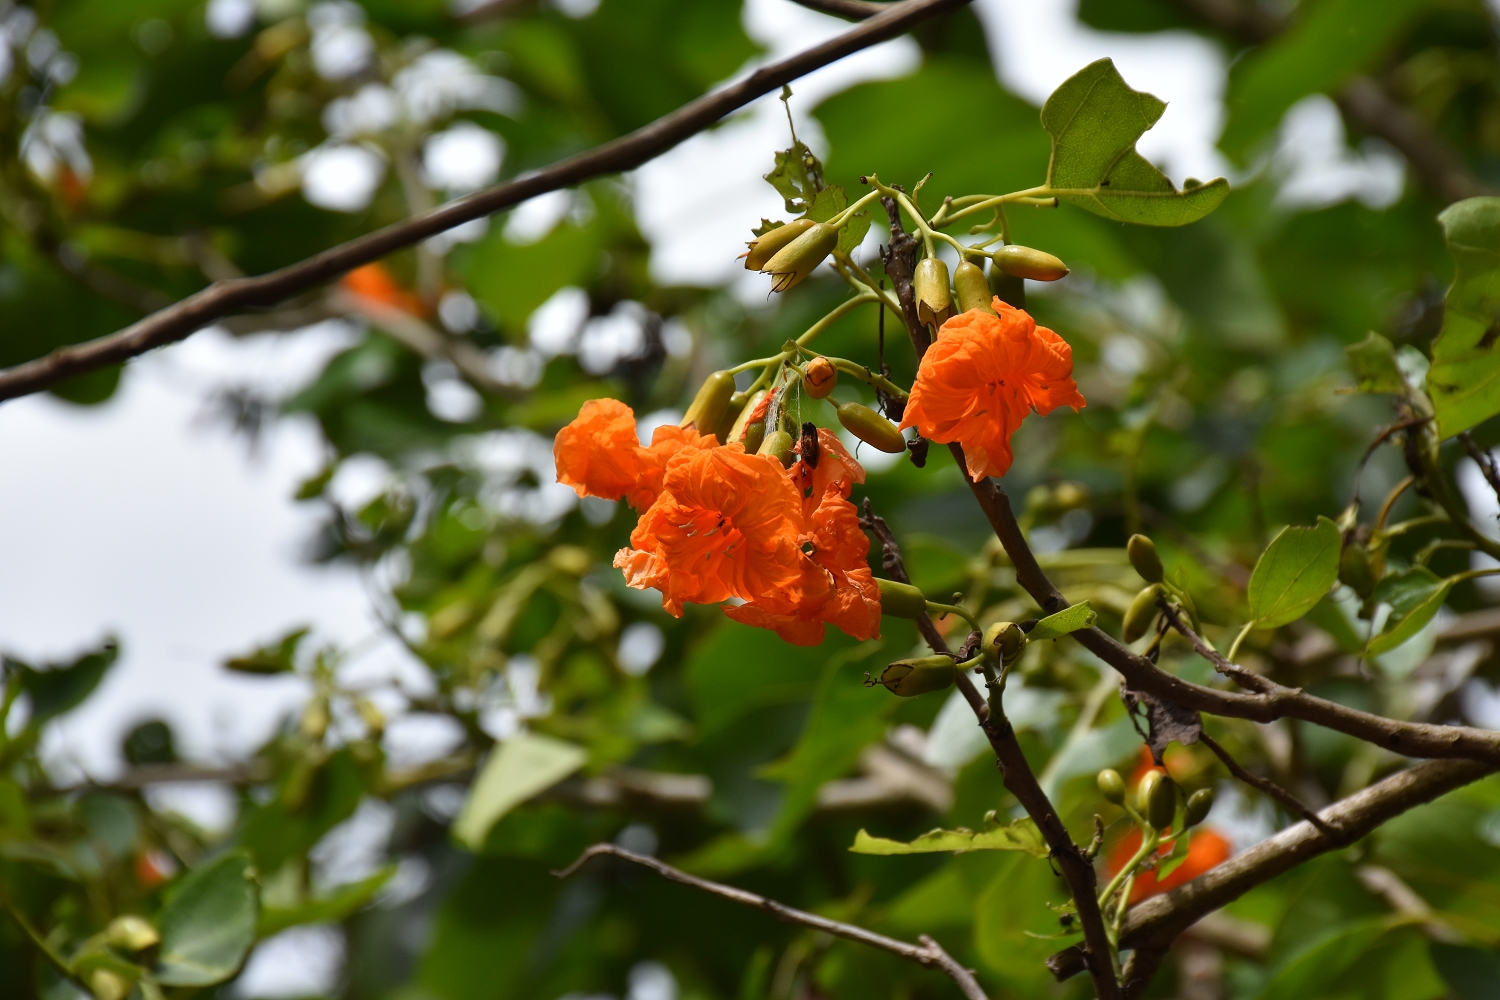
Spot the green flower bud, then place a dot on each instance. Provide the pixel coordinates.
(107, 985)
(766, 246)
(929, 284)
(871, 428)
(1355, 569)
(778, 445)
(755, 436)
(1198, 805)
(1003, 642)
(742, 421)
(1112, 786)
(731, 416)
(1024, 262)
(919, 675)
(131, 934)
(709, 405)
(1142, 613)
(820, 378)
(795, 261)
(971, 287)
(1156, 799)
(1145, 558)
(901, 600)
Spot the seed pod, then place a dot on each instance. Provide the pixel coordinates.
(871, 428)
(971, 287)
(1003, 642)
(820, 378)
(901, 600)
(766, 246)
(709, 405)
(1112, 786)
(797, 259)
(1142, 613)
(1198, 805)
(1355, 569)
(1024, 262)
(779, 446)
(732, 411)
(1156, 799)
(919, 676)
(1145, 558)
(131, 934)
(929, 284)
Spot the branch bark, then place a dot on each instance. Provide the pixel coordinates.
(223, 298)
(929, 953)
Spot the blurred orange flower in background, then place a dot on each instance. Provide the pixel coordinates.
(1207, 849)
(375, 282)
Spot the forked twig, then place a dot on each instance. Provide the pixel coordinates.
(1266, 785)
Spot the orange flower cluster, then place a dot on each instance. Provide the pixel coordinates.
(981, 378)
(1208, 849)
(719, 524)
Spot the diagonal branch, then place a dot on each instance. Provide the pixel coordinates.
(223, 298)
(929, 953)
(1266, 785)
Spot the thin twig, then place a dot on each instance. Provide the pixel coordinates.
(1484, 460)
(625, 153)
(929, 953)
(895, 568)
(853, 10)
(1244, 678)
(1266, 785)
(40, 942)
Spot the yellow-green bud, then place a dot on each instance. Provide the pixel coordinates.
(795, 261)
(778, 445)
(755, 436)
(820, 378)
(919, 675)
(1112, 786)
(901, 600)
(710, 403)
(1355, 569)
(742, 421)
(1003, 642)
(871, 428)
(1198, 805)
(1142, 613)
(315, 719)
(1145, 558)
(929, 284)
(1024, 262)
(766, 246)
(971, 287)
(106, 985)
(131, 934)
(732, 411)
(1156, 799)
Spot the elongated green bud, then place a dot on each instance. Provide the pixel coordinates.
(709, 405)
(919, 675)
(1198, 805)
(1156, 799)
(1142, 613)
(742, 422)
(107, 985)
(901, 600)
(1355, 569)
(971, 288)
(871, 428)
(795, 261)
(778, 445)
(764, 247)
(1145, 558)
(821, 378)
(1003, 642)
(131, 933)
(755, 436)
(731, 416)
(1112, 786)
(1024, 262)
(929, 284)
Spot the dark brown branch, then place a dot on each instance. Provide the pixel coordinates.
(929, 953)
(1266, 785)
(853, 10)
(895, 569)
(625, 153)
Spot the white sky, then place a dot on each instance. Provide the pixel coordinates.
(139, 518)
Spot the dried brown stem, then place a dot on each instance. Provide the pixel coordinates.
(1484, 460)
(895, 569)
(928, 953)
(1266, 785)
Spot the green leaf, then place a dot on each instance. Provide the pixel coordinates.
(335, 906)
(832, 200)
(208, 923)
(798, 178)
(1095, 120)
(1464, 381)
(59, 688)
(1415, 597)
(1069, 619)
(1373, 362)
(1021, 835)
(1311, 972)
(522, 766)
(278, 658)
(1296, 570)
(1175, 857)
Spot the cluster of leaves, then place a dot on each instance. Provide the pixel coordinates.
(1210, 355)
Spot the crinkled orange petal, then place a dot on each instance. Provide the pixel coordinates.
(792, 629)
(836, 467)
(599, 455)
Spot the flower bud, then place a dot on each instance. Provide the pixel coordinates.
(1003, 642)
(798, 258)
(930, 286)
(1142, 613)
(710, 403)
(971, 287)
(778, 445)
(1355, 569)
(1156, 799)
(919, 675)
(1198, 805)
(746, 417)
(871, 428)
(107, 985)
(1145, 558)
(765, 246)
(315, 719)
(131, 934)
(820, 378)
(901, 600)
(1024, 262)
(755, 435)
(732, 411)
(1112, 786)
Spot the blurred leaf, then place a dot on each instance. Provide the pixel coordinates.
(1020, 835)
(1472, 973)
(1175, 857)
(1297, 569)
(512, 280)
(60, 688)
(738, 669)
(1057, 625)
(798, 178)
(1312, 972)
(1095, 120)
(278, 658)
(519, 768)
(1415, 597)
(208, 923)
(310, 802)
(1464, 380)
(1014, 903)
(335, 906)
(1373, 361)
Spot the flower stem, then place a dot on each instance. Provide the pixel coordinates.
(1234, 647)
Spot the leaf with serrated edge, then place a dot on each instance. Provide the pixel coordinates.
(1067, 620)
(1464, 380)
(1095, 119)
(1296, 570)
(1021, 835)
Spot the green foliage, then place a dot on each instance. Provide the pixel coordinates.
(523, 765)
(1297, 569)
(1019, 835)
(1464, 380)
(1415, 597)
(208, 923)
(1055, 626)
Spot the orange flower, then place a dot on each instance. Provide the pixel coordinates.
(835, 467)
(726, 524)
(374, 282)
(1208, 849)
(981, 378)
(599, 454)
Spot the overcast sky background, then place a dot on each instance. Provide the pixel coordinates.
(147, 519)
